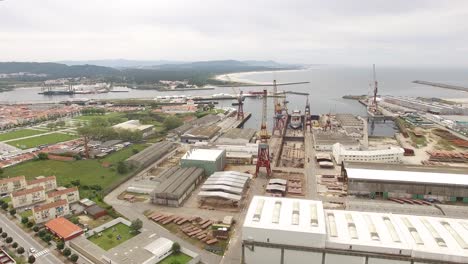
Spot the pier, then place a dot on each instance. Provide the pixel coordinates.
(442, 85)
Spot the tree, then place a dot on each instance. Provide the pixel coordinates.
(172, 122)
(42, 233)
(13, 212)
(1, 230)
(1, 171)
(5, 206)
(176, 248)
(47, 238)
(30, 224)
(2, 202)
(66, 252)
(14, 245)
(4, 235)
(122, 167)
(24, 219)
(74, 258)
(136, 225)
(20, 250)
(36, 229)
(60, 245)
(42, 156)
(8, 240)
(31, 259)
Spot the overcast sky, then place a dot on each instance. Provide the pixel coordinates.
(385, 32)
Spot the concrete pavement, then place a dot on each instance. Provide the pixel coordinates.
(26, 241)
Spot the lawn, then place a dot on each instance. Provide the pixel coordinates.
(124, 153)
(19, 134)
(180, 258)
(26, 213)
(108, 239)
(41, 140)
(89, 172)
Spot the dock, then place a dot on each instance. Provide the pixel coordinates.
(442, 85)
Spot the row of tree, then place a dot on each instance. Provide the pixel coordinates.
(17, 249)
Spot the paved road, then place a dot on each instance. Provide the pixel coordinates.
(43, 256)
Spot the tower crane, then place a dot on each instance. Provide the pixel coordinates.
(240, 100)
(263, 157)
(278, 115)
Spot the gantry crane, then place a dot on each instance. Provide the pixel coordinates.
(240, 100)
(263, 157)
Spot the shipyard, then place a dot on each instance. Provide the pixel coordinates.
(233, 132)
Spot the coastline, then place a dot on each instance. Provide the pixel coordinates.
(239, 76)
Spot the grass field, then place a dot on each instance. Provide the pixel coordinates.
(41, 140)
(108, 239)
(123, 154)
(180, 258)
(19, 134)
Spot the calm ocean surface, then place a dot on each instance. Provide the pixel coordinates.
(327, 85)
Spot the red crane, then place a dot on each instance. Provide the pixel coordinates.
(263, 157)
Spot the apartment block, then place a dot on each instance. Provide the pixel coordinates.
(70, 194)
(49, 211)
(9, 185)
(49, 183)
(28, 197)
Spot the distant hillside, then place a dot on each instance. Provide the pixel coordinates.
(57, 70)
(122, 63)
(200, 73)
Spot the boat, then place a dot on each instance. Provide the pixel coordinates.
(296, 119)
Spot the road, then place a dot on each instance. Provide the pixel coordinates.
(44, 256)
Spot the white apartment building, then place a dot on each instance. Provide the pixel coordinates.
(46, 212)
(49, 183)
(70, 194)
(389, 155)
(9, 185)
(27, 197)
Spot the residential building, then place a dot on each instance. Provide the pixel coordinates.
(46, 212)
(49, 183)
(70, 194)
(9, 185)
(284, 230)
(388, 155)
(27, 197)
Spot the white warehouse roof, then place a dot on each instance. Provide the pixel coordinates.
(407, 176)
(274, 220)
(203, 154)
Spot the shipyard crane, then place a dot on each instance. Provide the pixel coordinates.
(240, 100)
(278, 113)
(373, 107)
(263, 155)
(307, 119)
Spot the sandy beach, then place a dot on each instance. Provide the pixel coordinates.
(243, 77)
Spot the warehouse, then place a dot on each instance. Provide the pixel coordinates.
(176, 185)
(388, 155)
(224, 186)
(199, 134)
(283, 230)
(237, 136)
(135, 125)
(151, 154)
(406, 181)
(211, 160)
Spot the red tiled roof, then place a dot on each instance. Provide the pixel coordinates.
(27, 191)
(3, 181)
(36, 181)
(49, 205)
(57, 193)
(63, 228)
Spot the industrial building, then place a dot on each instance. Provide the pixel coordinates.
(388, 155)
(406, 181)
(63, 228)
(135, 125)
(211, 160)
(203, 121)
(176, 185)
(283, 230)
(200, 134)
(224, 186)
(235, 154)
(151, 154)
(324, 140)
(237, 136)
